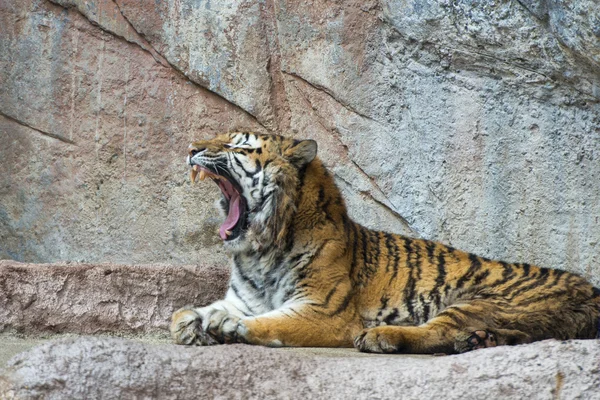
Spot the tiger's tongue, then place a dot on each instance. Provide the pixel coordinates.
(233, 216)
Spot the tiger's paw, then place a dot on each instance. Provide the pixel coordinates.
(379, 340)
(224, 327)
(474, 340)
(186, 328)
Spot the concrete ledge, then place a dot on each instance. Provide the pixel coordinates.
(117, 368)
(43, 299)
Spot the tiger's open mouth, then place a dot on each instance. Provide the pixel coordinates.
(236, 219)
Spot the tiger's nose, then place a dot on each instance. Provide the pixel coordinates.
(195, 150)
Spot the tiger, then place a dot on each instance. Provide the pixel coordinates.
(304, 274)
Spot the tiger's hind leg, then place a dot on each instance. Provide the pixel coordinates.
(457, 329)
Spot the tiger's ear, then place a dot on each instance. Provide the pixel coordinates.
(302, 152)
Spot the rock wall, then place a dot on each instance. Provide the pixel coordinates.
(93, 299)
(471, 122)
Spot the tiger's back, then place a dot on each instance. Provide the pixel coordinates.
(305, 274)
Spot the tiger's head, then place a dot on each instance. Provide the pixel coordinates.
(259, 177)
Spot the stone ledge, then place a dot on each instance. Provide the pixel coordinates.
(110, 368)
(44, 299)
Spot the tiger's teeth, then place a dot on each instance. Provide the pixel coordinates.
(193, 174)
(202, 174)
(228, 233)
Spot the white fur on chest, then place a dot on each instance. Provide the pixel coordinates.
(262, 284)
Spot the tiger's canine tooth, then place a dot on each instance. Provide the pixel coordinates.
(193, 174)
(228, 233)
(202, 174)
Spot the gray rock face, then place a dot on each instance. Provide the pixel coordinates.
(474, 123)
(116, 368)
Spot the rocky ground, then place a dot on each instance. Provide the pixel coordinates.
(104, 368)
(85, 331)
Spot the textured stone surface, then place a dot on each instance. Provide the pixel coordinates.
(93, 169)
(471, 122)
(92, 299)
(81, 368)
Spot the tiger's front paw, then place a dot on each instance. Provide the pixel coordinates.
(224, 327)
(186, 328)
(380, 340)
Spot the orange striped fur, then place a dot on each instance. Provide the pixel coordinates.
(305, 274)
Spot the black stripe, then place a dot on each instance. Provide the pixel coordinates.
(364, 246)
(296, 259)
(435, 294)
(321, 195)
(237, 293)
(388, 248)
(558, 273)
(473, 268)
(328, 216)
(267, 164)
(522, 280)
(430, 247)
(507, 274)
(417, 274)
(290, 238)
(288, 293)
(365, 256)
(249, 174)
(425, 309)
(301, 174)
(396, 258)
(304, 271)
(391, 317)
(418, 263)
(554, 295)
(374, 246)
(540, 280)
(246, 278)
(480, 277)
(344, 305)
(384, 302)
(409, 289)
(330, 293)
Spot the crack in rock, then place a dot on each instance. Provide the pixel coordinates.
(150, 49)
(330, 95)
(44, 133)
(137, 40)
(185, 74)
(395, 213)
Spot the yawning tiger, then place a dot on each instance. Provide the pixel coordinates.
(304, 274)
